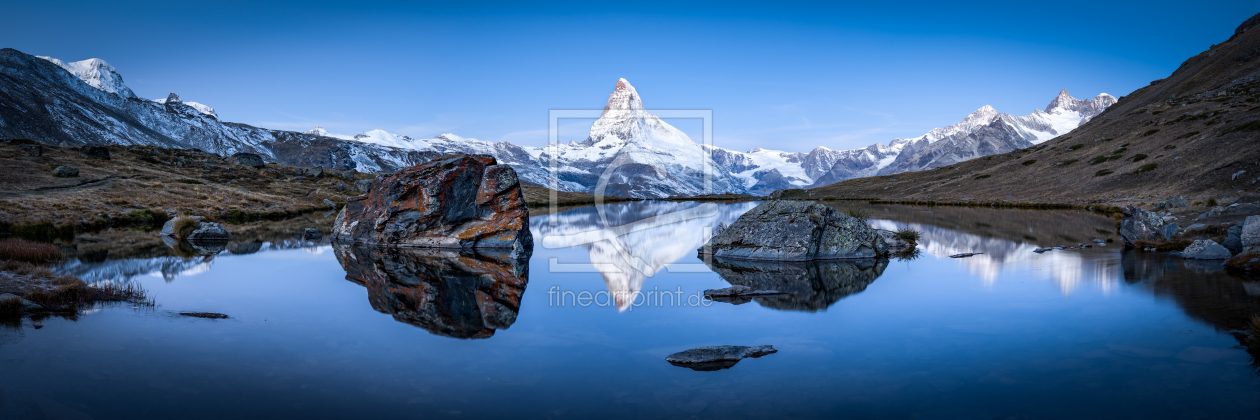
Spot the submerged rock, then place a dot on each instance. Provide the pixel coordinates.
(717, 357)
(1206, 249)
(1139, 225)
(312, 234)
(446, 292)
(205, 315)
(796, 231)
(966, 254)
(453, 201)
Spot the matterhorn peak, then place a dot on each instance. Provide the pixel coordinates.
(173, 99)
(624, 97)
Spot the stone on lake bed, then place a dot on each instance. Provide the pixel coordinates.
(966, 254)
(716, 357)
(205, 315)
(312, 234)
(796, 231)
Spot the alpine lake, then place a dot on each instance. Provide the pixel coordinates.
(581, 330)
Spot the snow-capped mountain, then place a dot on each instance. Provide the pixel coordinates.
(86, 102)
(96, 73)
(986, 132)
(173, 99)
(628, 151)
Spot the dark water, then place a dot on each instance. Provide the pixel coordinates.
(318, 331)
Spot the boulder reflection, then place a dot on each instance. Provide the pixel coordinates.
(806, 286)
(1203, 289)
(445, 292)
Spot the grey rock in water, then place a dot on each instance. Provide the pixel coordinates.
(94, 152)
(895, 244)
(1250, 235)
(66, 172)
(1138, 224)
(809, 286)
(967, 254)
(1097, 241)
(312, 234)
(796, 231)
(209, 232)
(716, 357)
(247, 159)
(363, 185)
(168, 229)
(1168, 231)
(1206, 249)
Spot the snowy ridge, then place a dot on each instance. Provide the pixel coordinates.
(96, 73)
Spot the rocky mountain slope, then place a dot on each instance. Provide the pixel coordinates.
(86, 102)
(1193, 133)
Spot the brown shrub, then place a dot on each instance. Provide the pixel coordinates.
(1159, 245)
(1243, 261)
(24, 250)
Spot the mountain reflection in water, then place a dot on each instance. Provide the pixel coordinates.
(629, 242)
(445, 292)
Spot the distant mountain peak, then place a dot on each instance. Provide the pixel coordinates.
(96, 73)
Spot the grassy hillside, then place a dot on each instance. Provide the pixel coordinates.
(1187, 134)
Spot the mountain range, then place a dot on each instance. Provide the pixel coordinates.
(628, 152)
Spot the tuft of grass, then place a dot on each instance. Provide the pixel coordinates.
(185, 226)
(1028, 162)
(858, 213)
(1170, 147)
(1187, 135)
(1212, 202)
(27, 251)
(1104, 172)
(1138, 157)
(1197, 203)
(10, 308)
(978, 177)
(1149, 132)
(909, 235)
(1098, 160)
(1255, 330)
(1068, 162)
(1076, 146)
(1146, 168)
(190, 181)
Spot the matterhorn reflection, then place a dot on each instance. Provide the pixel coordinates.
(629, 242)
(446, 292)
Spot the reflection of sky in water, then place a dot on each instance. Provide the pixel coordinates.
(1097, 333)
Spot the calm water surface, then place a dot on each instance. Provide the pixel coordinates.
(318, 331)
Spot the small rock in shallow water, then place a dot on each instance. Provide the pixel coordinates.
(312, 234)
(965, 254)
(206, 315)
(716, 357)
(1206, 249)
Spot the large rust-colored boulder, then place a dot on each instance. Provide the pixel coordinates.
(453, 201)
(451, 293)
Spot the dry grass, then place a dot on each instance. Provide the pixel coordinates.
(1243, 261)
(23, 250)
(1173, 245)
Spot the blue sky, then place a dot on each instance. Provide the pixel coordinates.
(783, 75)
